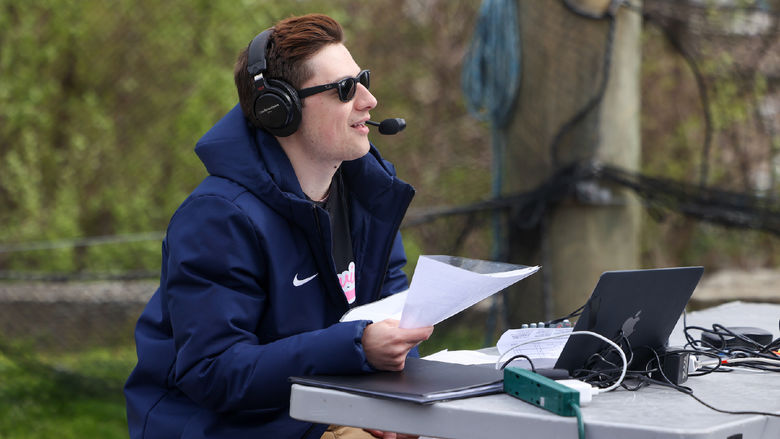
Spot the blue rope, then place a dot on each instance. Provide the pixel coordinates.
(491, 69)
(490, 81)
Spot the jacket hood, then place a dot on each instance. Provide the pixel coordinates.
(230, 150)
(253, 158)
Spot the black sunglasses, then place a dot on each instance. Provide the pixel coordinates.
(346, 87)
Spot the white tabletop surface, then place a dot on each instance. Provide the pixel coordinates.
(653, 412)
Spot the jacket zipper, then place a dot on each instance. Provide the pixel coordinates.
(328, 256)
(396, 228)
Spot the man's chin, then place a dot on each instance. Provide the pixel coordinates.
(362, 151)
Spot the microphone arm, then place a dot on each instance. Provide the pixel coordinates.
(389, 126)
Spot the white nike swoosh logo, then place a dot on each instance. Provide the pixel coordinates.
(298, 282)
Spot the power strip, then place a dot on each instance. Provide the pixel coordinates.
(541, 391)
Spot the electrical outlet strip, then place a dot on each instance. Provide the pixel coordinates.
(586, 390)
(541, 391)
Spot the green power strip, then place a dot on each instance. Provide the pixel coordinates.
(541, 391)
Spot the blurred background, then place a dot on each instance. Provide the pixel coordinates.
(565, 134)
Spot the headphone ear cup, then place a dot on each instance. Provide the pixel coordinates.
(278, 108)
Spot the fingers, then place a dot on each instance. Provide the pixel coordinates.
(423, 333)
(386, 345)
(389, 435)
(412, 336)
(417, 335)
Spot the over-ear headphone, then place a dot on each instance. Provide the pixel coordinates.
(276, 103)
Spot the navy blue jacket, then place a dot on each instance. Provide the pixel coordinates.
(227, 326)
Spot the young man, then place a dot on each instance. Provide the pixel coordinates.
(297, 222)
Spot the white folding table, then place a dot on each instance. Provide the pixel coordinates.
(653, 412)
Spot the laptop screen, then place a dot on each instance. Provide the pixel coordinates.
(636, 308)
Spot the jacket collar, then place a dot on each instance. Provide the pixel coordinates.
(253, 158)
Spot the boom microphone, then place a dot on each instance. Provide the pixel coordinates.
(389, 126)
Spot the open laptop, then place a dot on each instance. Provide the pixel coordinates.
(644, 304)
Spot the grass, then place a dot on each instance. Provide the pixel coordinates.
(71, 395)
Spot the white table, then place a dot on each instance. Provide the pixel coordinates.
(653, 412)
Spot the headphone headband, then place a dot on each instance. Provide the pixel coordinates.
(256, 56)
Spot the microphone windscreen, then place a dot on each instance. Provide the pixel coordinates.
(392, 126)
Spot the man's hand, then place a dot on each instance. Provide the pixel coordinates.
(389, 435)
(386, 345)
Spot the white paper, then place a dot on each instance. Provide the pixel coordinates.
(520, 342)
(462, 357)
(388, 308)
(443, 286)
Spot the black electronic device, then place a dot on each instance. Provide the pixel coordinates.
(276, 106)
(641, 306)
(421, 381)
(728, 341)
(389, 126)
(674, 365)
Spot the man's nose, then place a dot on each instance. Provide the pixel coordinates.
(364, 100)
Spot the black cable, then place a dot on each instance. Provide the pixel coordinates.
(753, 348)
(694, 343)
(723, 329)
(646, 380)
(751, 355)
(526, 357)
(572, 314)
(727, 208)
(730, 209)
(731, 412)
(596, 99)
(638, 378)
(602, 372)
(701, 86)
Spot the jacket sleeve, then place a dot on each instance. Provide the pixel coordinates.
(213, 291)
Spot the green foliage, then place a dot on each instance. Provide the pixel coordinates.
(75, 395)
(101, 104)
(453, 338)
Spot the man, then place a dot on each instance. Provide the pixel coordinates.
(297, 222)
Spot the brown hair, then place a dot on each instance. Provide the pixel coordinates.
(294, 40)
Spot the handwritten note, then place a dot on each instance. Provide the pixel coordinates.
(524, 342)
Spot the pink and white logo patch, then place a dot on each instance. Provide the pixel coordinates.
(347, 280)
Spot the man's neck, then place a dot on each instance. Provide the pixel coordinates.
(313, 174)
